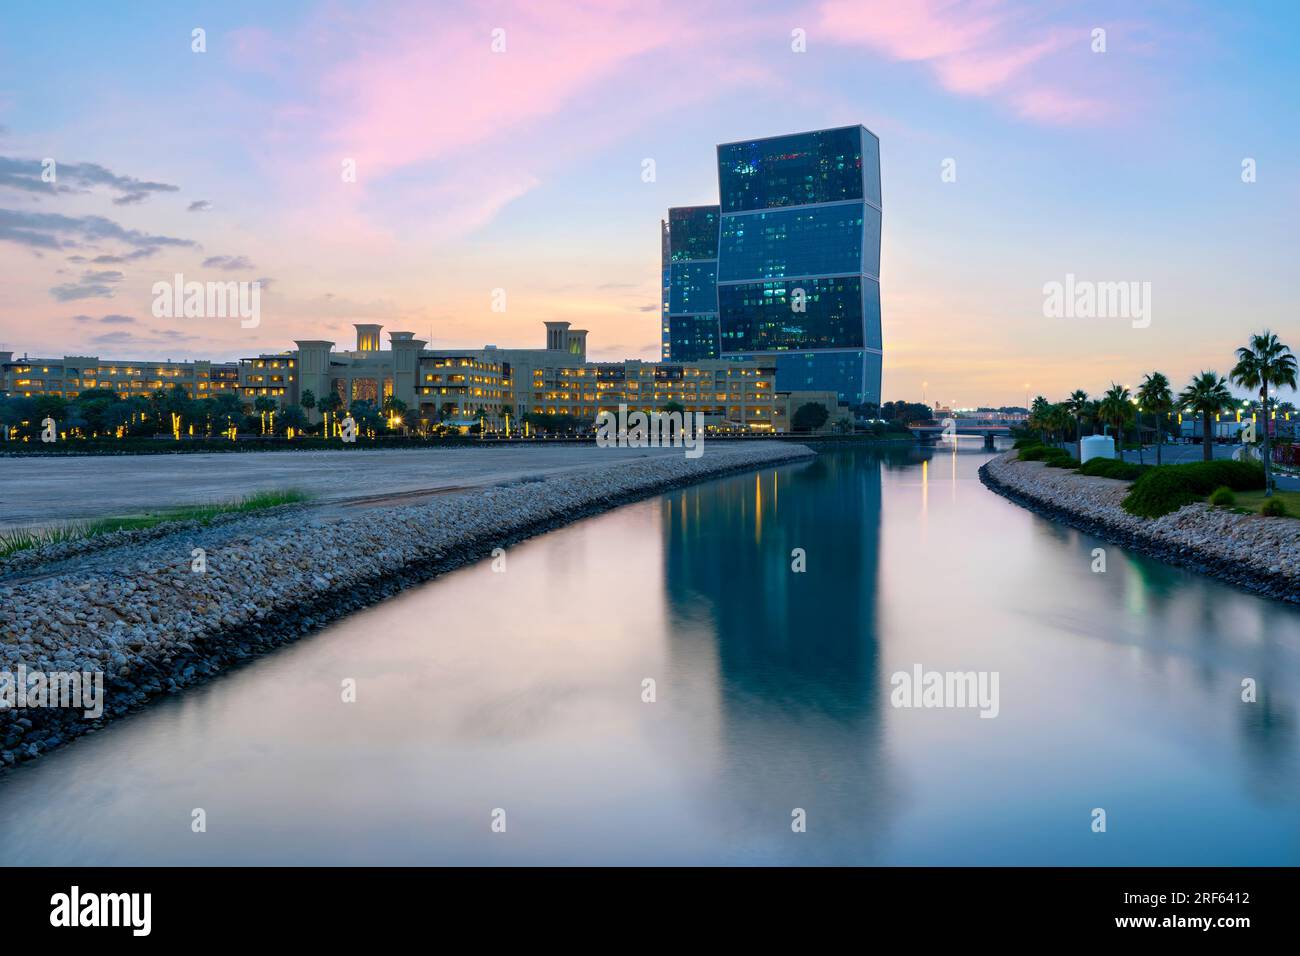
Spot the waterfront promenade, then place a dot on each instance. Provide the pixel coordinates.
(40, 490)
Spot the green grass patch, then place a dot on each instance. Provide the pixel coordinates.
(1063, 462)
(1254, 502)
(1163, 490)
(22, 539)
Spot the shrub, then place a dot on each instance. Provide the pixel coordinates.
(1160, 491)
(1111, 468)
(1222, 497)
(1026, 443)
(1043, 453)
(1273, 508)
(1066, 462)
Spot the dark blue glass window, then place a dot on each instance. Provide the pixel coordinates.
(838, 372)
(854, 377)
(871, 390)
(871, 260)
(794, 242)
(693, 338)
(693, 232)
(871, 311)
(871, 167)
(693, 287)
(766, 316)
(822, 166)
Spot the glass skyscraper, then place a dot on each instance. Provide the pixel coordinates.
(690, 295)
(795, 262)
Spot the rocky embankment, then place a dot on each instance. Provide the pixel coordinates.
(1251, 551)
(142, 614)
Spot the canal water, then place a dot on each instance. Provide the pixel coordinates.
(520, 696)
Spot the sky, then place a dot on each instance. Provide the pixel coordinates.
(1019, 146)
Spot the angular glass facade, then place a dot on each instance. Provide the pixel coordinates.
(690, 295)
(797, 170)
(799, 258)
(815, 240)
(769, 317)
(787, 266)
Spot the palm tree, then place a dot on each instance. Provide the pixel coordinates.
(1077, 404)
(265, 406)
(1038, 416)
(308, 402)
(1156, 397)
(1263, 362)
(1092, 413)
(1116, 410)
(1059, 420)
(395, 409)
(329, 406)
(1207, 394)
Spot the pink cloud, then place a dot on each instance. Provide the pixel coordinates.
(444, 130)
(984, 48)
(431, 83)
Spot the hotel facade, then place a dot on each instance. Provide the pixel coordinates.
(461, 387)
(490, 386)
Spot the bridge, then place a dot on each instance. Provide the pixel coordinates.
(987, 428)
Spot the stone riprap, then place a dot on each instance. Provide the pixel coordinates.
(139, 613)
(1249, 550)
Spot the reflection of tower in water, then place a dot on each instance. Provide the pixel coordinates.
(797, 721)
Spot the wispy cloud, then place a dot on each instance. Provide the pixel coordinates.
(995, 49)
(48, 230)
(418, 98)
(92, 285)
(31, 175)
(144, 339)
(228, 263)
(112, 319)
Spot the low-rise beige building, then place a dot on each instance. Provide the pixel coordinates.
(494, 387)
(69, 376)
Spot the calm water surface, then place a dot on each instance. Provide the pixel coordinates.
(522, 691)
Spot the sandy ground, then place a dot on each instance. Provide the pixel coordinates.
(40, 491)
